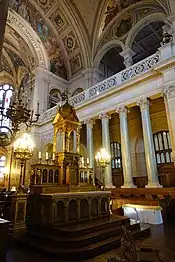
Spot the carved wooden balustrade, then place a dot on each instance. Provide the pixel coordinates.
(166, 175)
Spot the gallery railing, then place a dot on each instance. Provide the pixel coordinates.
(108, 84)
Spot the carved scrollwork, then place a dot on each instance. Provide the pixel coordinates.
(103, 86)
(77, 99)
(140, 67)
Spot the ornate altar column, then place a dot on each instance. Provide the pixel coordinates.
(78, 139)
(74, 142)
(169, 100)
(148, 144)
(127, 55)
(125, 148)
(106, 144)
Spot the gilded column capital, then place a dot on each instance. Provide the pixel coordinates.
(122, 111)
(105, 116)
(144, 104)
(168, 92)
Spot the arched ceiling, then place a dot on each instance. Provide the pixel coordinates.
(69, 31)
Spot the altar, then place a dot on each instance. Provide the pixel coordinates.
(144, 214)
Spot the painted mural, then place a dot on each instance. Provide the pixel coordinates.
(31, 15)
(114, 7)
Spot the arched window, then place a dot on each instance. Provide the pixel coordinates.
(112, 62)
(147, 41)
(116, 156)
(163, 149)
(5, 96)
(54, 97)
(2, 165)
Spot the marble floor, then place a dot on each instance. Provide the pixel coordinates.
(162, 238)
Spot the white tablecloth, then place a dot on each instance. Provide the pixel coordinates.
(144, 215)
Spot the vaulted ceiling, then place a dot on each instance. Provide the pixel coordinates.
(68, 30)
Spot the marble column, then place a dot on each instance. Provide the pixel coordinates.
(150, 157)
(106, 144)
(90, 144)
(90, 141)
(125, 148)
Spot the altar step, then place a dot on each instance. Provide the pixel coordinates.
(80, 242)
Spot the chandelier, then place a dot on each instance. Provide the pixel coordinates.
(12, 117)
(23, 150)
(102, 158)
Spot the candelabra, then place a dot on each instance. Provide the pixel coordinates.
(12, 117)
(102, 159)
(23, 150)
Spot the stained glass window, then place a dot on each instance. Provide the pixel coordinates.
(5, 96)
(163, 147)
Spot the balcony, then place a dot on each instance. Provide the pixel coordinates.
(119, 81)
(116, 80)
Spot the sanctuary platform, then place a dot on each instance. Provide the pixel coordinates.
(83, 240)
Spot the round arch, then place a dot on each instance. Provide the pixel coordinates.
(30, 37)
(141, 24)
(111, 44)
(6, 78)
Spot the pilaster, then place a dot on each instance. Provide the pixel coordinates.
(169, 100)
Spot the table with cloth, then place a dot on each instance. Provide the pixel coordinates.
(144, 214)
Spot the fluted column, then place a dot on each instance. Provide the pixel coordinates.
(150, 157)
(90, 143)
(106, 144)
(125, 148)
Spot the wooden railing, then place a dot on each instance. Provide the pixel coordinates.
(166, 175)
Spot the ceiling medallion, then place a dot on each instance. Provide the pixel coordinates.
(70, 43)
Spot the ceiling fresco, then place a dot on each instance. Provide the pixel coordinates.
(72, 31)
